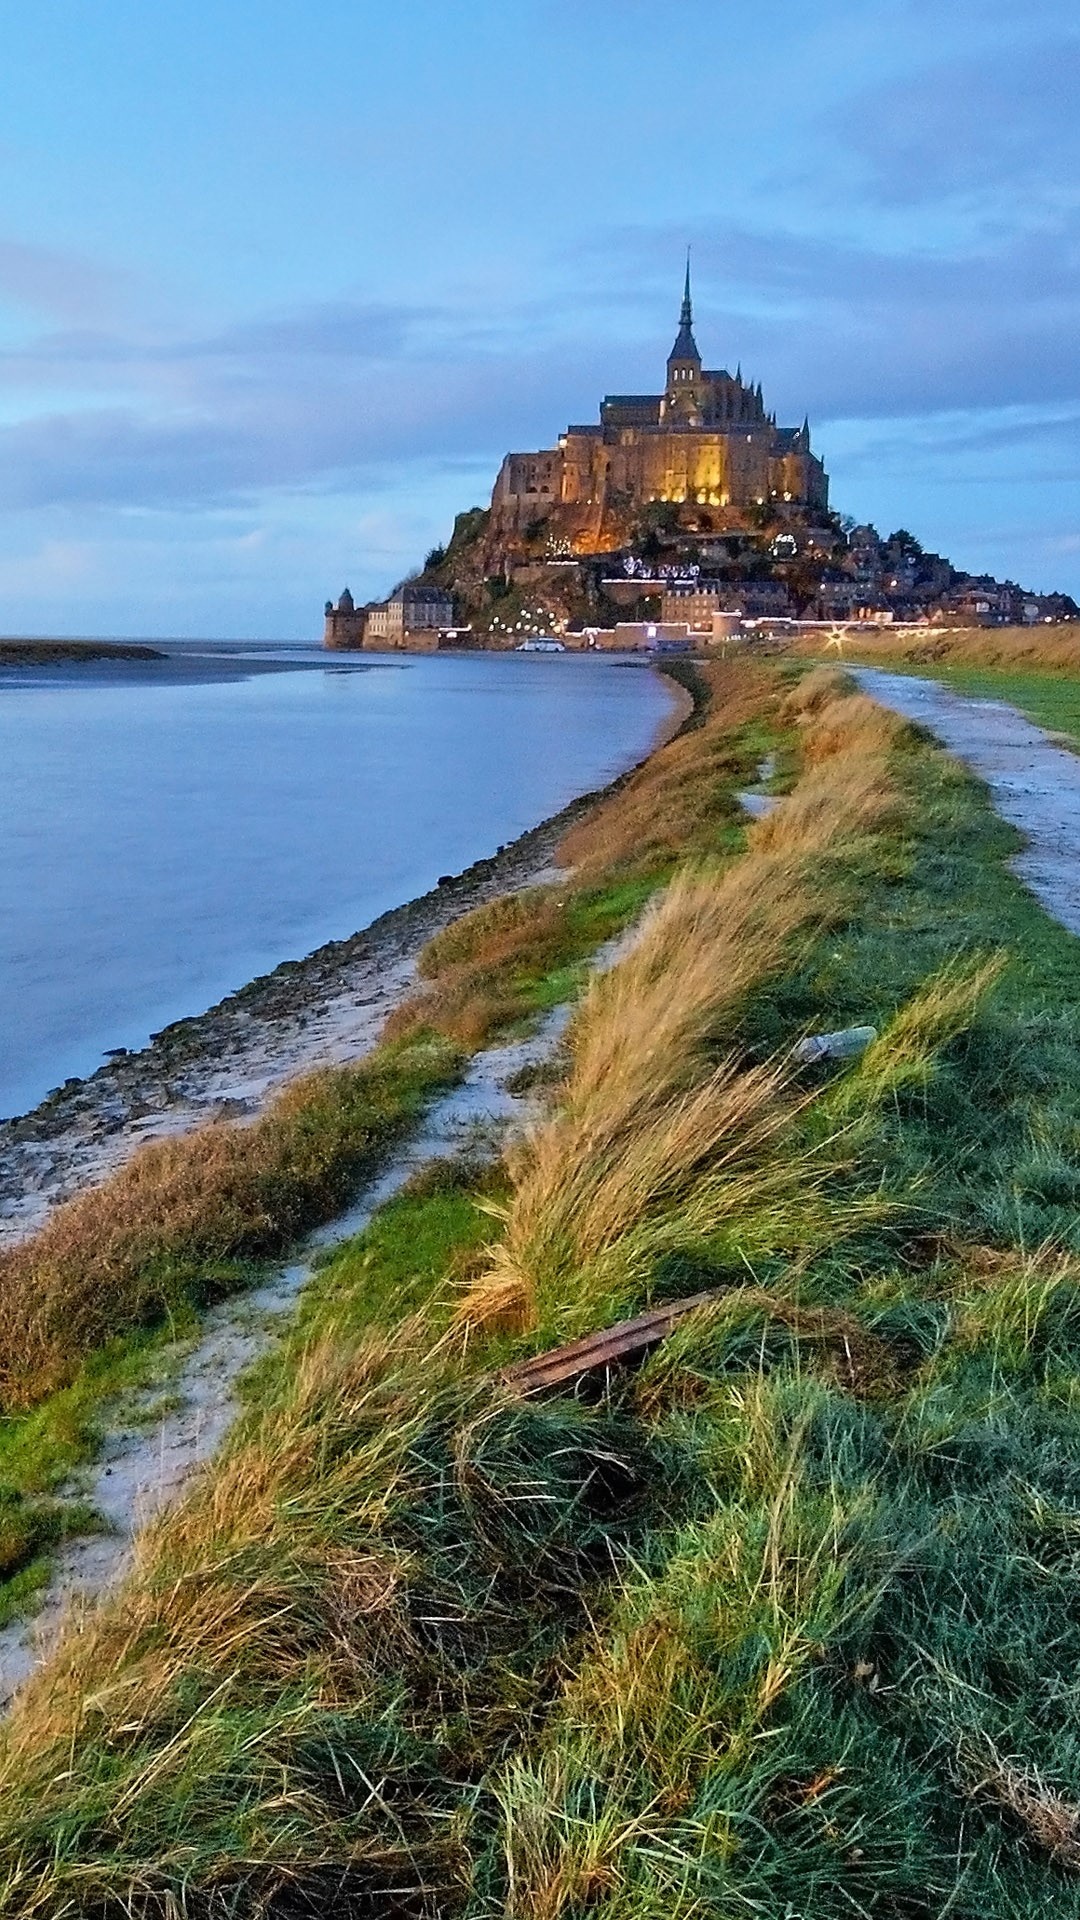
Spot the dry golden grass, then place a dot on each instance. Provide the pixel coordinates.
(470, 968)
(499, 926)
(662, 809)
(653, 1138)
(847, 789)
(645, 1108)
(1044, 649)
(815, 690)
(167, 1227)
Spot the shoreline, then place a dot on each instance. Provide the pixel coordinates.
(39, 653)
(323, 1009)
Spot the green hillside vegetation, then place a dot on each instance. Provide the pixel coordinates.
(782, 1623)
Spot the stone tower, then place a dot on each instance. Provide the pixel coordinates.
(682, 398)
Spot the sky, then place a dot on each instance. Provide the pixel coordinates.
(282, 280)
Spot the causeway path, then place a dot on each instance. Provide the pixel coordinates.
(1034, 784)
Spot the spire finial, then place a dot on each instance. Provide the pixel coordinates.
(686, 318)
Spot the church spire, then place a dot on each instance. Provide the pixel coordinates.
(685, 349)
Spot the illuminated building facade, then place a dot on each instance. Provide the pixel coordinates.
(706, 441)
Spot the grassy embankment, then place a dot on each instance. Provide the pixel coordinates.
(98, 1303)
(786, 1622)
(1034, 669)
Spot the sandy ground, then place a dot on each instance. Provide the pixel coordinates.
(1034, 784)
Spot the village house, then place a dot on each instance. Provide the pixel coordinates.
(414, 617)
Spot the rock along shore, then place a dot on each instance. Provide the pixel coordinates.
(45, 653)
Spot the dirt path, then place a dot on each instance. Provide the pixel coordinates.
(1034, 784)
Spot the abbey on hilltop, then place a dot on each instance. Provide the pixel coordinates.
(707, 440)
(684, 511)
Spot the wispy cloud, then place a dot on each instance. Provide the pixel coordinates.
(58, 286)
(999, 129)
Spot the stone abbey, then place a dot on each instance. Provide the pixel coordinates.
(707, 440)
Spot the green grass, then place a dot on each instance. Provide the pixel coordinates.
(999, 1119)
(1051, 700)
(42, 1451)
(405, 1256)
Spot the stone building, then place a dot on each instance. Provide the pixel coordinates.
(344, 623)
(413, 617)
(706, 440)
(697, 603)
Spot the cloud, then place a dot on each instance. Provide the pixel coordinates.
(55, 285)
(998, 127)
(853, 326)
(327, 397)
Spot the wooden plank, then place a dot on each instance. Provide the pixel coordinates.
(610, 1347)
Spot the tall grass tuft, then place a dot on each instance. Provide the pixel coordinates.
(909, 1049)
(682, 799)
(657, 1146)
(177, 1222)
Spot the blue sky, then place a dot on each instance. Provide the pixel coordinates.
(281, 280)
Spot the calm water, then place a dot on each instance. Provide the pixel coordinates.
(167, 832)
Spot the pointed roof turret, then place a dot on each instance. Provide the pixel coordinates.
(685, 347)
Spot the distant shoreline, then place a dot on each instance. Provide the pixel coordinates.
(37, 653)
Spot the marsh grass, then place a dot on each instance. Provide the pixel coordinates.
(785, 1622)
(183, 1218)
(509, 959)
(658, 1147)
(1043, 649)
